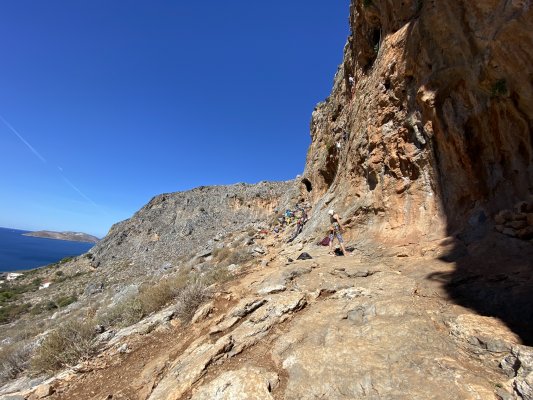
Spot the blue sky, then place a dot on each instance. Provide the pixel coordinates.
(105, 104)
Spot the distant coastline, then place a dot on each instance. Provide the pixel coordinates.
(20, 252)
(68, 236)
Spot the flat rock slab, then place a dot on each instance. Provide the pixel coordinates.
(245, 384)
(371, 357)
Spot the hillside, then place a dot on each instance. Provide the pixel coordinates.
(424, 149)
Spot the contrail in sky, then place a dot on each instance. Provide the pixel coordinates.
(79, 191)
(40, 157)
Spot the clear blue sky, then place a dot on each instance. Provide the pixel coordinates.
(106, 103)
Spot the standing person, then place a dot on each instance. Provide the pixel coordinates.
(335, 230)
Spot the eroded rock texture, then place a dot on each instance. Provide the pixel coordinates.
(429, 124)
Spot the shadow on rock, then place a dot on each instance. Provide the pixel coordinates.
(493, 276)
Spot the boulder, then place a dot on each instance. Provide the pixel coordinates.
(43, 391)
(259, 250)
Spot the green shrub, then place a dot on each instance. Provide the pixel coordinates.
(11, 312)
(37, 282)
(65, 300)
(367, 3)
(69, 344)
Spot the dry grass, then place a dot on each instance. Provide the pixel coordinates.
(125, 313)
(69, 344)
(14, 359)
(221, 254)
(217, 274)
(225, 256)
(152, 297)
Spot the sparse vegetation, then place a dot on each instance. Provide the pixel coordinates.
(330, 143)
(221, 254)
(217, 274)
(238, 256)
(151, 298)
(64, 301)
(190, 298)
(125, 313)
(70, 343)
(14, 359)
(367, 3)
(226, 256)
(187, 291)
(11, 312)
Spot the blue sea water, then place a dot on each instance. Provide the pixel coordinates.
(18, 252)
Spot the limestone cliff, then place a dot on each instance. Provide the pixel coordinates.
(429, 124)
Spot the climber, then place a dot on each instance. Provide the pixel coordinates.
(302, 219)
(335, 230)
(351, 85)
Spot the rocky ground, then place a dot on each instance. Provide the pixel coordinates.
(372, 325)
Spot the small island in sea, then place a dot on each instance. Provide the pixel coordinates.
(70, 236)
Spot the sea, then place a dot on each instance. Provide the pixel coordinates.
(18, 252)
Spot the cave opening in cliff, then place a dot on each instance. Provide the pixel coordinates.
(307, 184)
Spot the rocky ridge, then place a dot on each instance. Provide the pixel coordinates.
(175, 228)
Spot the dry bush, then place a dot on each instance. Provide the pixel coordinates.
(14, 359)
(151, 298)
(69, 344)
(238, 256)
(190, 298)
(225, 256)
(125, 313)
(217, 274)
(221, 254)
(154, 297)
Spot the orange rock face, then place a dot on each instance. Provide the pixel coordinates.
(429, 124)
